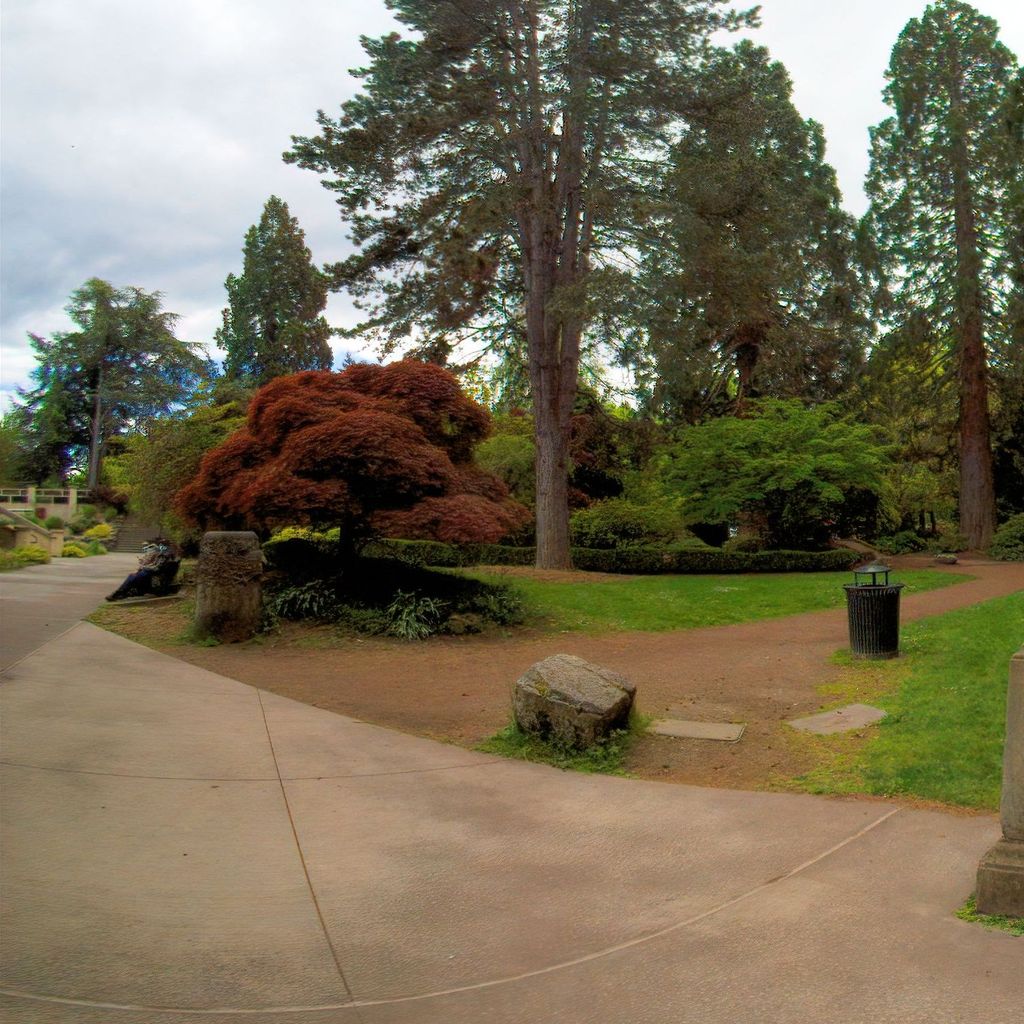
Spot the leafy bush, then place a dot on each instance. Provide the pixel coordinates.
(684, 557)
(617, 522)
(903, 543)
(94, 547)
(101, 531)
(645, 561)
(303, 554)
(316, 600)
(1008, 542)
(74, 551)
(949, 542)
(54, 523)
(18, 558)
(511, 458)
(793, 468)
(389, 595)
(743, 544)
(413, 617)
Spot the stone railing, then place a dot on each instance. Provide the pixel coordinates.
(52, 501)
(18, 532)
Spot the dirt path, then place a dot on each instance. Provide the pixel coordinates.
(457, 689)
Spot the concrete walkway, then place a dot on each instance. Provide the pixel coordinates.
(181, 847)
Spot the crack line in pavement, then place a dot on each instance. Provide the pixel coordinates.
(269, 778)
(355, 1004)
(302, 856)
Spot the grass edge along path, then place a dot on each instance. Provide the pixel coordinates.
(663, 603)
(969, 912)
(946, 702)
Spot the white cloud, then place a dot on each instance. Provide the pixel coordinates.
(140, 140)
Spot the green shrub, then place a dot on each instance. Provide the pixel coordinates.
(618, 522)
(414, 617)
(394, 595)
(1008, 542)
(645, 561)
(74, 551)
(743, 543)
(316, 600)
(31, 555)
(903, 543)
(511, 457)
(101, 531)
(94, 547)
(54, 523)
(85, 516)
(684, 557)
(949, 542)
(303, 554)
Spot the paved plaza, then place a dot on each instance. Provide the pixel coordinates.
(181, 847)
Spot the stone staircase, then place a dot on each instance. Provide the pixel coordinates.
(132, 533)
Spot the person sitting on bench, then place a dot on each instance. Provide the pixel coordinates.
(158, 557)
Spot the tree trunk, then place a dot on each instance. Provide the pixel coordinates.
(552, 444)
(977, 487)
(96, 432)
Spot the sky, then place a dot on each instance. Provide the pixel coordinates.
(139, 139)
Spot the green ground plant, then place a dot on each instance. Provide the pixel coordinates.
(604, 758)
(946, 703)
(18, 558)
(1008, 543)
(659, 603)
(969, 912)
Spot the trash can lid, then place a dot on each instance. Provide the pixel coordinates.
(874, 570)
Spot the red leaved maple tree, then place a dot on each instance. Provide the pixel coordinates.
(374, 450)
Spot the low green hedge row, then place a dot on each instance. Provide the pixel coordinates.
(640, 560)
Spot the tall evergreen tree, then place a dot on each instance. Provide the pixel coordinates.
(940, 191)
(273, 323)
(1008, 357)
(123, 364)
(492, 161)
(752, 267)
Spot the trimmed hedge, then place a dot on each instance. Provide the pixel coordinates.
(643, 561)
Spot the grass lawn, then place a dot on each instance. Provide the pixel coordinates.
(943, 739)
(659, 603)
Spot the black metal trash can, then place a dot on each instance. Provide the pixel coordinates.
(874, 613)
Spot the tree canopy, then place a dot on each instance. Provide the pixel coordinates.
(273, 323)
(124, 364)
(941, 186)
(492, 163)
(789, 468)
(750, 267)
(372, 450)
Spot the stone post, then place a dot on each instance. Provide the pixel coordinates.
(229, 593)
(1001, 872)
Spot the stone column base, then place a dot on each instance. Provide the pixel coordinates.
(1001, 880)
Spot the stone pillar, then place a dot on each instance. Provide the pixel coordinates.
(229, 593)
(1001, 872)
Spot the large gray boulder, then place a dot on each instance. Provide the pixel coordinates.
(571, 702)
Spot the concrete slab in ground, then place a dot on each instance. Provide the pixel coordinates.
(853, 716)
(730, 732)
